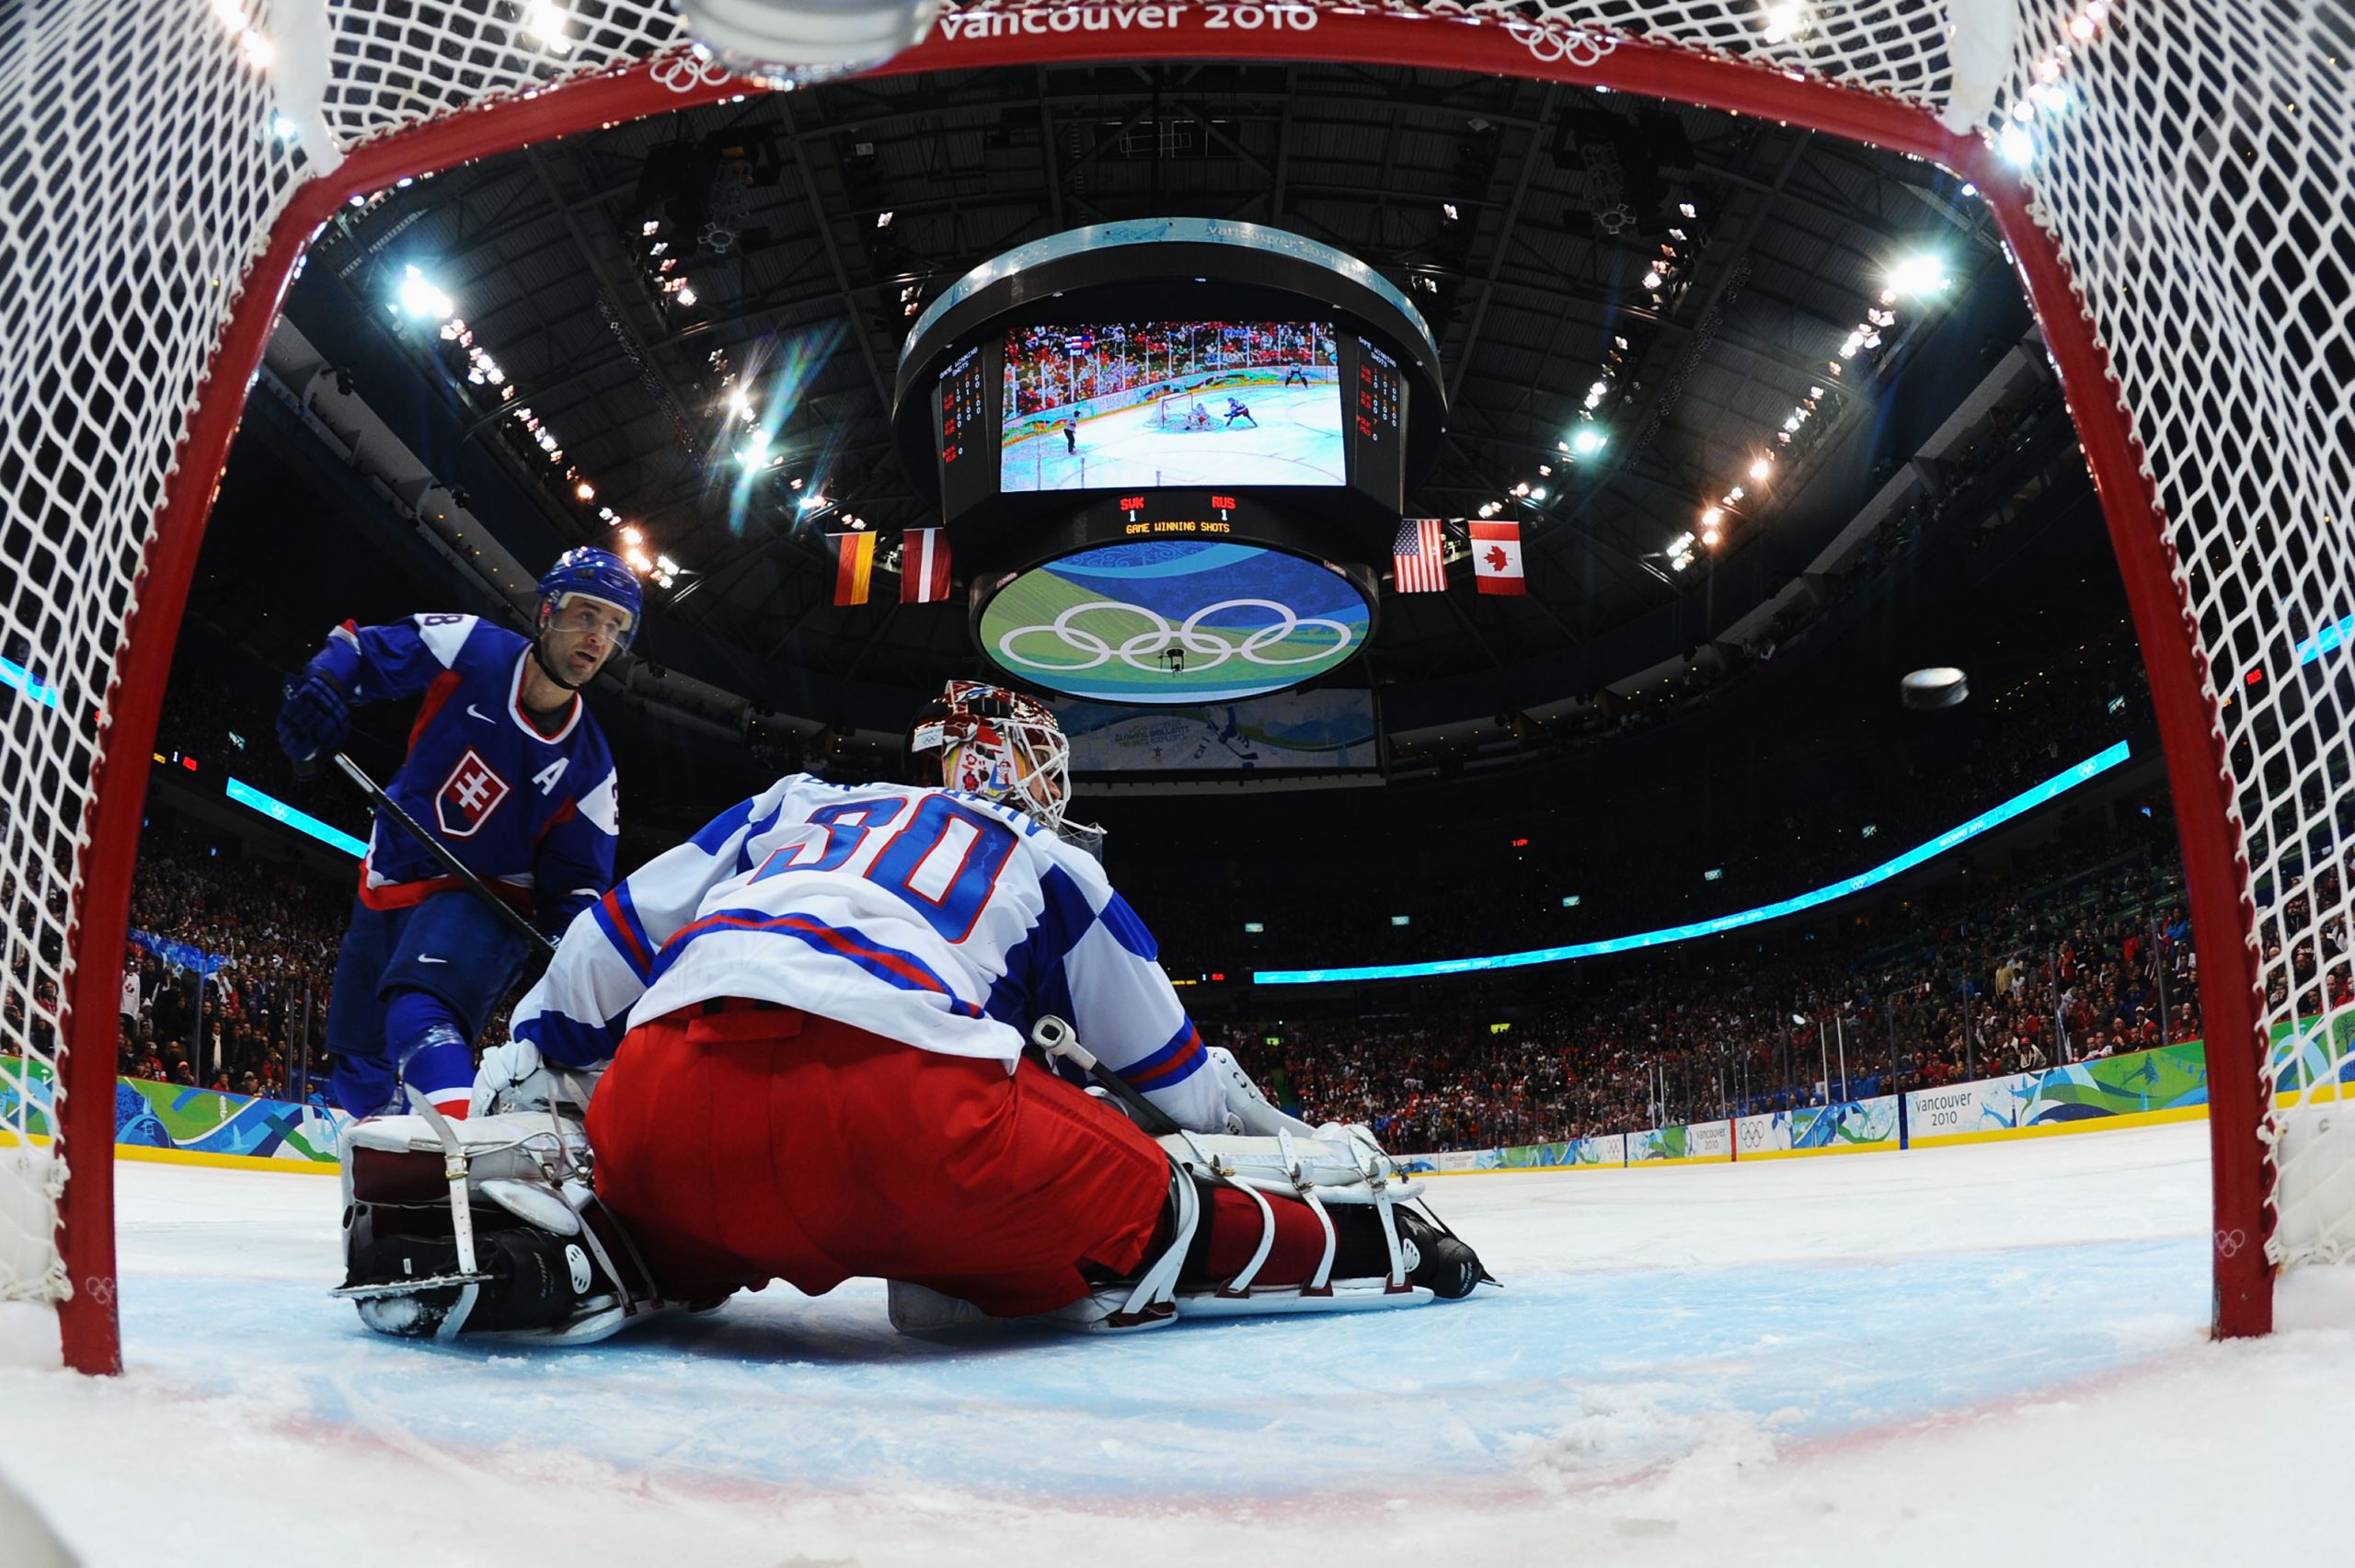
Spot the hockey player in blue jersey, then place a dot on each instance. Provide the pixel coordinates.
(508, 768)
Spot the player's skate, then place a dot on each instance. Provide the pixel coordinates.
(487, 1227)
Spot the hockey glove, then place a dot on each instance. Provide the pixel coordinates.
(510, 1078)
(515, 1077)
(315, 719)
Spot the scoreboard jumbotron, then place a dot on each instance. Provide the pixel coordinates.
(1165, 452)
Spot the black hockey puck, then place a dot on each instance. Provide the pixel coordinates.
(1942, 686)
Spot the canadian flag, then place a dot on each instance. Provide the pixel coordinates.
(1496, 557)
(924, 566)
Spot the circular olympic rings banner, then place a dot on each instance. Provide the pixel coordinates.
(1175, 620)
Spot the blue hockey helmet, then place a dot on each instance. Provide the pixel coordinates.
(593, 574)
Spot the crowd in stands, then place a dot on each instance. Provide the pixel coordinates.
(2076, 949)
(2081, 951)
(1055, 367)
(256, 1024)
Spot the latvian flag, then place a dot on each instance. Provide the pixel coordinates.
(853, 563)
(1418, 560)
(1496, 557)
(924, 566)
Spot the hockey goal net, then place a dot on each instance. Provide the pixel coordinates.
(1183, 411)
(2170, 179)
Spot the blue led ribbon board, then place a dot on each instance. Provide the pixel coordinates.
(278, 810)
(2026, 801)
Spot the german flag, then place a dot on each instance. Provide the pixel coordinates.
(854, 564)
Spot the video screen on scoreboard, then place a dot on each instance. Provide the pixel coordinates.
(1153, 404)
(1324, 731)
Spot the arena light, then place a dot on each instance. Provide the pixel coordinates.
(1652, 279)
(1952, 839)
(686, 294)
(2017, 144)
(419, 297)
(1762, 467)
(1785, 20)
(632, 536)
(1588, 441)
(544, 20)
(585, 490)
(285, 129)
(1918, 275)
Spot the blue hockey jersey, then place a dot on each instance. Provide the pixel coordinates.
(531, 811)
(931, 917)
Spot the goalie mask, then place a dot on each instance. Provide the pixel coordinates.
(998, 744)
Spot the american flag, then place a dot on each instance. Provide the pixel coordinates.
(1417, 561)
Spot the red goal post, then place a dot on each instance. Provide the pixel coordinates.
(182, 153)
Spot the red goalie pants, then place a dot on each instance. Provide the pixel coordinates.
(745, 1144)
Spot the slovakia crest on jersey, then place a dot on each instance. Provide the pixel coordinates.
(468, 796)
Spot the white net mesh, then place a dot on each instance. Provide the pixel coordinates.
(2194, 168)
(2189, 160)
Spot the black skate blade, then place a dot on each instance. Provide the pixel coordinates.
(408, 1286)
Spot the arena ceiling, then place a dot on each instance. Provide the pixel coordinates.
(1521, 217)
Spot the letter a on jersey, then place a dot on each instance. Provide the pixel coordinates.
(468, 796)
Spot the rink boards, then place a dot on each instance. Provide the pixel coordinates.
(182, 1124)
(178, 1124)
(2140, 1088)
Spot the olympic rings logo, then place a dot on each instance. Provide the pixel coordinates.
(1571, 45)
(1160, 638)
(687, 69)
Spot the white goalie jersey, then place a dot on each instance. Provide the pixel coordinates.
(925, 916)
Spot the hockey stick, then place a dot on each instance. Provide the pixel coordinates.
(441, 852)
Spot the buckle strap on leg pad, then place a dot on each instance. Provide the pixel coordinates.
(529, 1166)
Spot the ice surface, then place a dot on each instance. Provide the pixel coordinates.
(1942, 1356)
(1296, 441)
